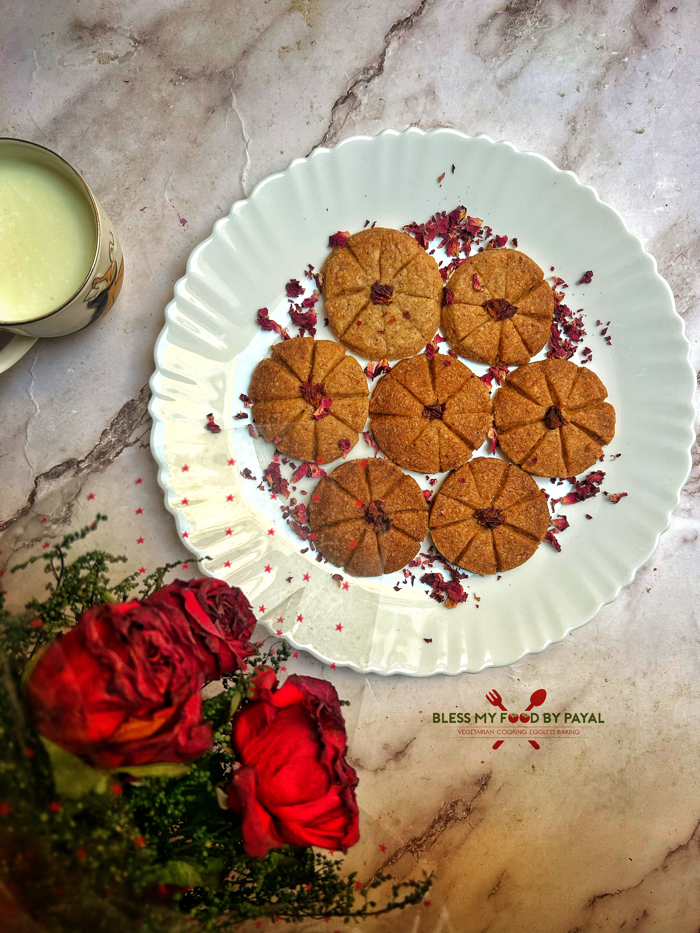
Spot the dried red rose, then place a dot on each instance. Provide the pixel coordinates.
(275, 481)
(382, 294)
(585, 278)
(551, 539)
(616, 496)
(294, 785)
(294, 288)
(500, 309)
(448, 296)
(265, 321)
(323, 409)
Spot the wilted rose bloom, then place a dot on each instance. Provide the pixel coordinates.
(220, 617)
(294, 784)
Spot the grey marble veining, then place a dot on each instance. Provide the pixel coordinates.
(173, 111)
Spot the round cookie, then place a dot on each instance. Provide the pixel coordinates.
(552, 418)
(309, 399)
(430, 415)
(489, 516)
(368, 517)
(383, 294)
(502, 309)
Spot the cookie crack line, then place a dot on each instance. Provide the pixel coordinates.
(281, 363)
(388, 491)
(512, 387)
(593, 436)
(363, 308)
(292, 424)
(526, 293)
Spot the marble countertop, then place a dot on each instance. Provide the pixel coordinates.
(173, 111)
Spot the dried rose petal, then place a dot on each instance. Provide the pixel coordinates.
(476, 283)
(377, 517)
(338, 239)
(369, 439)
(440, 177)
(381, 294)
(434, 412)
(560, 522)
(238, 417)
(551, 539)
(264, 320)
(246, 401)
(211, 425)
(310, 301)
(246, 474)
(553, 418)
(305, 320)
(313, 393)
(448, 296)
(490, 517)
(345, 445)
(294, 288)
(492, 440)
(616, 496)
(251, 430)
(431, 349)
(275, 481)
(500, 309)
(323, 409)
(585, 278)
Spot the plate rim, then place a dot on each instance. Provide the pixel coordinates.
(162, 339)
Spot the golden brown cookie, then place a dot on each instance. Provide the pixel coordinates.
(309, 399)
(368, 517)
(430, 416)
(489, 516)
(383, 294)
(502, 308)
(552, 419)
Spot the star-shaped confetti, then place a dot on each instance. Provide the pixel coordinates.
(185, 566)
(281, 619)
(46, 544)
(229, 531)
(227, 564)
(261, 609)
(44, 520)
(278, 631)
(270, 531)
(185, 534)
(382, 847)
(306, 576)
(142, 569)
(333, 666)
(229, 498)
(346, 585)
(296, 654)
(231, 461)
(91, 496)
(138, 481)
(184, 501)
(268, 568)
(185, 468)
(339, 627)
(139, 540)
(300, 618)
(139, 511)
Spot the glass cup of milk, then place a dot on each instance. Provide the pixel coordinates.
(61, 265)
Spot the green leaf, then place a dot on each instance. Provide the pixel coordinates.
(72, 777)
(183, 874)
(160, 769)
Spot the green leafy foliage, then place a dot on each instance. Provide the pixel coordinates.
(155, 848)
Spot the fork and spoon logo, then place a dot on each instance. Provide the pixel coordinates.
(537, 699)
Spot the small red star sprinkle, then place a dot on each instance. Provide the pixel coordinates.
(382, 847)
(91, 495)
(273, 495)
(281, 619)
(278, 631)
(227, 564)
(138, 481)
(261, 609)
(339, 627)
(333, 666)
(296, 654)
(139, 540)
(300, 618)
(229, 498)
(306, 576)
(316, 498)
(43, 521)
(184, 501)
(139, 511)
(46, 545)
(142, 569)
(346, 585)
(231, 462)
(282, 667)
(268, 568)
(271, 531)
(185, 468)
(229, 531)
(185, 566)
(358, 885)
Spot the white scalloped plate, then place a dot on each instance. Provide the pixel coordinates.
(210, 341)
